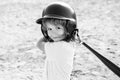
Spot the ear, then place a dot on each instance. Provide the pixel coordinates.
(71, 26)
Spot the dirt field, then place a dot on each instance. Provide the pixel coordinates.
(99, 26)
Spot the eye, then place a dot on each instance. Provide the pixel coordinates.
(58, 28)
(49, 29)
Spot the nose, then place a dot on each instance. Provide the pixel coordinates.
(55, 30)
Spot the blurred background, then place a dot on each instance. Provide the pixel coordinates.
(99, 26)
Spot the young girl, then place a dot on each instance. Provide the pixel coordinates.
(58, 25)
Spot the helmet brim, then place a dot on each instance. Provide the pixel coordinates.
(39, 21)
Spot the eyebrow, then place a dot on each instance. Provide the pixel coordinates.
(47, 26)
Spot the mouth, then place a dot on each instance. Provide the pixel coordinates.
(56, 37)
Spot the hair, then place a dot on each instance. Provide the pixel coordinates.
(69, 36)
(54, 21)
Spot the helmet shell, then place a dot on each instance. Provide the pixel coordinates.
(58, 10)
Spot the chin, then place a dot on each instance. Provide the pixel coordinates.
(57, 39)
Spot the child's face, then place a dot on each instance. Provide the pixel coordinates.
(55, 32)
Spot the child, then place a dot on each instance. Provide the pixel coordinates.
(58, 25)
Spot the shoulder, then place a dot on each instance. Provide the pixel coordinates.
(73, 44)
(68, 45)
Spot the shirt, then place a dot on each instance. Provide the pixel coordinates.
(59, 60)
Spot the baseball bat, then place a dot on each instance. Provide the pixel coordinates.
(107, 62)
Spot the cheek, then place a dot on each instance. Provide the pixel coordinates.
(49, 33)
(61, 32)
